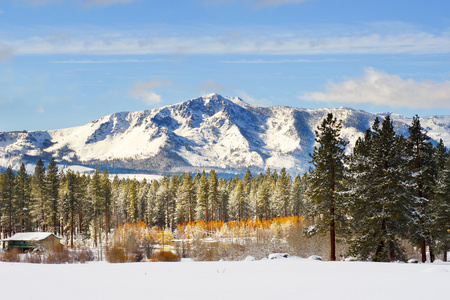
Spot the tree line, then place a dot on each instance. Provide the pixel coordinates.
(72, 204)
(389, 189)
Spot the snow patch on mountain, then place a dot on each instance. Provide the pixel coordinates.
(212, 131)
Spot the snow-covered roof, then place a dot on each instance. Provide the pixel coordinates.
(30, 236)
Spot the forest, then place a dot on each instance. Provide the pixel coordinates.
(390, 193)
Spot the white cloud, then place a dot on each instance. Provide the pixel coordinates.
(250, 41)
(143, 91)
(379, 88)
(41, 109)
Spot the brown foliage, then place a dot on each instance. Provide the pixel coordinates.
(12, 255)
(165, 256)
(117, 254)
(58, 255)
(82, 255)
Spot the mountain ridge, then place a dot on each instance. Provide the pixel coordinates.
(208, 132)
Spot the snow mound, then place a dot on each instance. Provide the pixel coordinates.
(278, 255)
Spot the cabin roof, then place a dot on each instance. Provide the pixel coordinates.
(30, 236)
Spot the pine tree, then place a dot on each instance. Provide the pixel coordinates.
(132, 200)
(282, 194)
(213, 193)
(107, 200)
(223, 199)
(186, 202)
(23, 200)
(422, 168)
(39, 200)
(52, 196)
(71, 201)
(203, 198)
(379, 201)
(7, 195)
(96, 204)
(439, 208)
(325, 180)
(296, 197)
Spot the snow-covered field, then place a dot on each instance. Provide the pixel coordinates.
(291, 278)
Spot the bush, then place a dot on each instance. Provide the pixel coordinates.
(83, 255)
(32, 258)
(165, 256)
(117, 254)
(58, 255)
(12, 255)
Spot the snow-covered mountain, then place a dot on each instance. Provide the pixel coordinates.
(212, 131)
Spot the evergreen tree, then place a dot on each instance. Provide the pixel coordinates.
(423, 173)
(7, 195)
(186, 202)
(379, 201)
(439, 208)
(71, 201)
(23, 201)
(52, 196)
(325, 180)
(223, 199)
(96, 204)
(296, 197)
(39, 199)
(213, 193)
(132, 208)
(203, 198)
(282, 194)
(107, 200)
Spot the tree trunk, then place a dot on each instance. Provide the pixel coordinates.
(423, 250)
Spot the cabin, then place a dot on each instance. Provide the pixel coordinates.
(28, 241)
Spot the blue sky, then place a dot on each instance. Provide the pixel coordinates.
(64, 63)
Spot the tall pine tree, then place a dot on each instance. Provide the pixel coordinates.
(325, 180)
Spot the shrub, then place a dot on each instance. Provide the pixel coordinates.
(58, 255)
(117, 254)
(83, 255)
(32, 258)
(165, 256)
(12, 255)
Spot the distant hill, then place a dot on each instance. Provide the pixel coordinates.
(212, 131)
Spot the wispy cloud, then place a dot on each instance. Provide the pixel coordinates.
(256, 3)
(256, 41)
(279, 61)
(380, 88)
(40, 109)
(36, 2)
(143, 90)
(90, 3)
(107, 61)
(86, 3)
(5, 53)
(209, 86)
(252, 100)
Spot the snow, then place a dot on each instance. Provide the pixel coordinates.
(207, 132)
(290, 278)
(29, 236)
